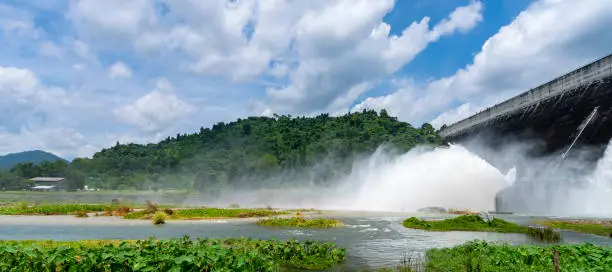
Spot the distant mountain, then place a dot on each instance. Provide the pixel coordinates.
(36, 156)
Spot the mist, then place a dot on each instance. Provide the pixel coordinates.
(453, 177)
(449, 177)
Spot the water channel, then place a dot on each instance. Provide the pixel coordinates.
(372, 239)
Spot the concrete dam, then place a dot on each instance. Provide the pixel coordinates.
(567, 124)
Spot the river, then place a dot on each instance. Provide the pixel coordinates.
(372, 239)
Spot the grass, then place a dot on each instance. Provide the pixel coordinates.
(477, 223)
(300, 222)
(466, 223)
(601, 228)
(54, 209)
(486, 256)
(168, 255)
(207, 213)
(544, 234)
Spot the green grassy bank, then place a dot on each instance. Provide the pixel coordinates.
(465, 223)
(601, 228)
(301, 222)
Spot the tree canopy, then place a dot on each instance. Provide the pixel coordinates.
(254, 152)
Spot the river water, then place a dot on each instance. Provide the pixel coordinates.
(372, 239)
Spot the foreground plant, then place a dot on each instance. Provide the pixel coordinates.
(169, 255)
(300, 222)
(484, 256)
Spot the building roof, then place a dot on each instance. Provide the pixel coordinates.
(43, 187)
(48, 179)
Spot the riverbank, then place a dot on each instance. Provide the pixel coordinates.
(597, 227)
(373, 239)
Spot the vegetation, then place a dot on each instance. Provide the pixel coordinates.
(301, 222)
(206, 213)
(159, 218)
(169, 255)
(81, 214)
(601, 228)
(56, 209)
(484, 256)
(247, 153)
(36, 156)
(466, 223)
(544, 234)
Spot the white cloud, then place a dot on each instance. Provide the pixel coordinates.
(64, 142)
(316, 43)
(17, 22)
(17, 83)
(449, 117)
(37, 116)
(337, 58)
(549, 38)
(119, 70)
(111, 18)
(50, 49)
(155, 111)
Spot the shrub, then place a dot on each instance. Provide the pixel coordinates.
(234, 206)
(169, 211)
(159, 218)
(22, 205)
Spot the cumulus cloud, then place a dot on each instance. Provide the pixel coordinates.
(338, 61)
(119, 70)
(110, 19)
(155, 111)
(547, 39)
(329, 50)
(37, 116)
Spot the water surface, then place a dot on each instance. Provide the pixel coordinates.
(372, 239)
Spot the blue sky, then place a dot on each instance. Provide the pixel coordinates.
(78, 75)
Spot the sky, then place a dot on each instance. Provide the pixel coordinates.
(77, 76)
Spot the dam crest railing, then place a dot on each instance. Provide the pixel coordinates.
(582, 76)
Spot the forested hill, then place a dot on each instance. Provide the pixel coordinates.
(35, 156)
(253, 152)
